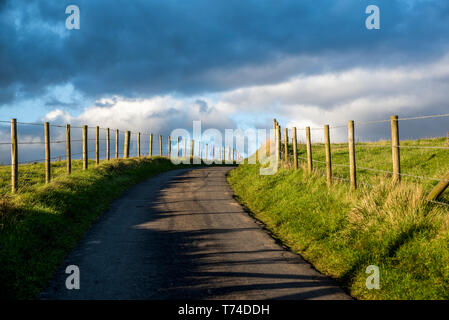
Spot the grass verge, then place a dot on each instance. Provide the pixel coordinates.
(341, 232)
(42, 223)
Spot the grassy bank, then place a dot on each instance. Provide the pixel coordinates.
(42, 223)
(418, 159)
(342, 232)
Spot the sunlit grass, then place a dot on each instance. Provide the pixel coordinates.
(341, 232)
(424, 163)
(41, 223)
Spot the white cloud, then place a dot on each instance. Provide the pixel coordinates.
(355, 94)
(159, 114)
(359, 94)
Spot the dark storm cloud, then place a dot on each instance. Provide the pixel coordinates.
(141, 48)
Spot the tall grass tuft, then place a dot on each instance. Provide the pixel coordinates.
(342, 232)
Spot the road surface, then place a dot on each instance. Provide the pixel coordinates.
(181, 235)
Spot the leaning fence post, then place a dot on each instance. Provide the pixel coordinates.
(327, 144)
(68, 150)
(439, 188)
(309, 150)
(85, 149)
(395, 148)
(126, 145)
(97, 146)
(351, 145)
(14, 156)
(295, 149)
(151, 144)
(47, 153)
(108, 145)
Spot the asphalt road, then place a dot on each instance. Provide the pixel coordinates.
(181, 235)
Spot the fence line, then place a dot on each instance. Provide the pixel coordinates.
(396, 173)
(381, 121)
(121, 150)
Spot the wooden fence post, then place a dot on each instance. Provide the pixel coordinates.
(395, 148)
(286, 145)
(97, 146)
(352, 166)
(295, 149)
(108, 144)
(138, 145)
(192, 144)
(169, 147)
(439, 188)
(85, 149)
(309, 150)
(276, 143)
(126, 145)
(257, 154)
(47, 153)
(279, 148)
(327, 145)
(14, 156)
(229, 154)
(276, 137)
(117, 137)
(68, 149)
(269, 143)
(160, 145)
(151, 144)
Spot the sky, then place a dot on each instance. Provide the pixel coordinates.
(154, 66)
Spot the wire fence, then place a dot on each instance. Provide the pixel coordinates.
(347, 161)
(75, 149)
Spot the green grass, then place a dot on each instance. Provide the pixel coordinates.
(41, 223)
(342, 232)
(429, 163)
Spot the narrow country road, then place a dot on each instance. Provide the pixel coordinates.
(181, 235)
